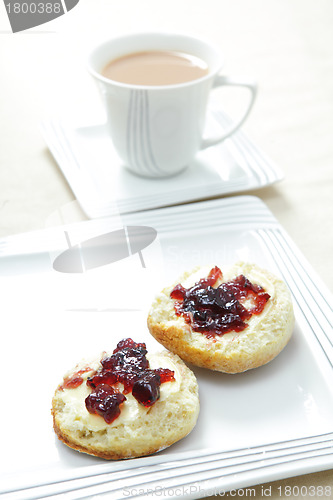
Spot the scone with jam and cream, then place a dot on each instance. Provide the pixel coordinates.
(229, 322)
(126, 404)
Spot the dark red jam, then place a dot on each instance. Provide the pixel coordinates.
(105, 401)
(216, 311)
(129, 366)
(125, 365)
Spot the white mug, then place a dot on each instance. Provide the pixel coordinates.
(158, 130)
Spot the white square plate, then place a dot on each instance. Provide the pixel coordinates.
(103, 187)
(261, 425)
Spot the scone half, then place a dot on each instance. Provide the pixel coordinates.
(262, 340)
(138, 430)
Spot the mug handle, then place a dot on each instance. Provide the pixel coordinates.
(219, 81)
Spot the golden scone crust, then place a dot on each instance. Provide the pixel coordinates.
(138, 431)
(263, 339)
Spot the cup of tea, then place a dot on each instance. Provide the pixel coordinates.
(156, 88)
